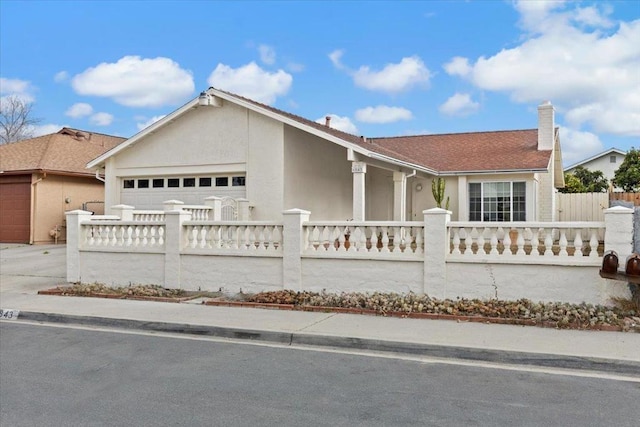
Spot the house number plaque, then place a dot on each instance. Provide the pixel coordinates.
(358, 167)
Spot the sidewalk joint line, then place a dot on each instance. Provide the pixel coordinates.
(315, 323)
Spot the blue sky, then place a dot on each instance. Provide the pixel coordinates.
(379, 68)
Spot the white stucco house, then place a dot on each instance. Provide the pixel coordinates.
(607, 161)
(222, 144)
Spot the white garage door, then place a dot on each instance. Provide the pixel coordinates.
(150, 192)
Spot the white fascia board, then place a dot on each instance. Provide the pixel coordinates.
(98, 161)
(492, 172)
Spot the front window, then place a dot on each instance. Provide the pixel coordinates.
(497, 201)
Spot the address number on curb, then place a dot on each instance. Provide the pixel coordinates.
(8, 314)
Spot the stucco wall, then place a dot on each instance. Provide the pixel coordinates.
(339, 275)
(317, 176)
(265, 167)
(379, 194)
(231, 274)
(50, 195)
(535, 282)
(423, 199)
(122, 269)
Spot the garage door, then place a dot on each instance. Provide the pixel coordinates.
(15, 208)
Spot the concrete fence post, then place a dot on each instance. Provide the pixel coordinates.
(216, 204)
(173, 241)
(125, 212)
(172, 205)
(618, 235)
(436, 247)
(292, 245)
(74, 236)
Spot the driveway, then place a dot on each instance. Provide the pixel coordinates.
(30, 268)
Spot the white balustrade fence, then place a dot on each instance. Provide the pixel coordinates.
(521, 239)
(123, 235)
(148, 216)
(260, 238)
(537, 260)
(369, 239)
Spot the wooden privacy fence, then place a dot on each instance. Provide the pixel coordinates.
(628, 197)
(581, 206)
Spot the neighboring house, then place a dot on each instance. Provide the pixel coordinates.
(608, 162)
(41, 178)
(221, 144)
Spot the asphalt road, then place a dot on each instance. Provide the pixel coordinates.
(63, 376)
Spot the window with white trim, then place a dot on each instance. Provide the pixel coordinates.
(497, 201)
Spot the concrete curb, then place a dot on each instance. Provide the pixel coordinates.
(296, 338)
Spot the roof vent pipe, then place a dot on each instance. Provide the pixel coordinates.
(327, 121)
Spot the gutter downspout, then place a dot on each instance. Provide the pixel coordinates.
(34, 200)
(98, 176)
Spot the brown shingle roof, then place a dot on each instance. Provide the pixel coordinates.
(473, 151)
(65, 152)
(456, 152)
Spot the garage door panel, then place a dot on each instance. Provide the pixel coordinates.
(15, 210)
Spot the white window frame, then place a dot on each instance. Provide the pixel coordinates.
(511, 201)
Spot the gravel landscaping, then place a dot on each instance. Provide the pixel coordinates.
(622, 315)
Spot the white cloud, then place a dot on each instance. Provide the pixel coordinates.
(383, 114)
(251, 81)
(61, 76)
(137, 82)
(578, 145)
(458, 66)
(19, 88)
(394, 78)
(335, 58)
(591, 76)
(295, 67)
(101, 119)
(147, 123)
(341, 123)
(79, 109)
(592, 17)
(267, 54)
(459, 105)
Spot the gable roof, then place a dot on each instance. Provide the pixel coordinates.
(602, 154)
(479, 152)
(65, 152)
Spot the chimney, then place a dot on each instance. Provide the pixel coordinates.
(327, 121)
(546, 126)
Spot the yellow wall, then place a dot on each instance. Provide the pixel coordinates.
(50, 195)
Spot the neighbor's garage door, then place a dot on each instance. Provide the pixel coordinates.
(15, 211)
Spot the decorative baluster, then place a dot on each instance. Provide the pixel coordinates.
(494, 241)
(593, 244)
(548, 242)
(481, 249)
(152, 236)
(520, 241)
(506, 242)
(261, 237)
(577, 243)
(252, 238)
(373, 240)
(419, 233)
(535, 242)
(306, 238)
(385, 240)
(468, 242)
(456, 242)
(563, 242)
(340, 240)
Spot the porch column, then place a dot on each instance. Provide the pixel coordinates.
(359, 170)
(399, 196)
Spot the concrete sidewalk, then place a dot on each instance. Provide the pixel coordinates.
(25, 270)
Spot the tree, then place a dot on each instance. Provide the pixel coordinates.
(627, 176)
(16, 120)
(582, 180)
